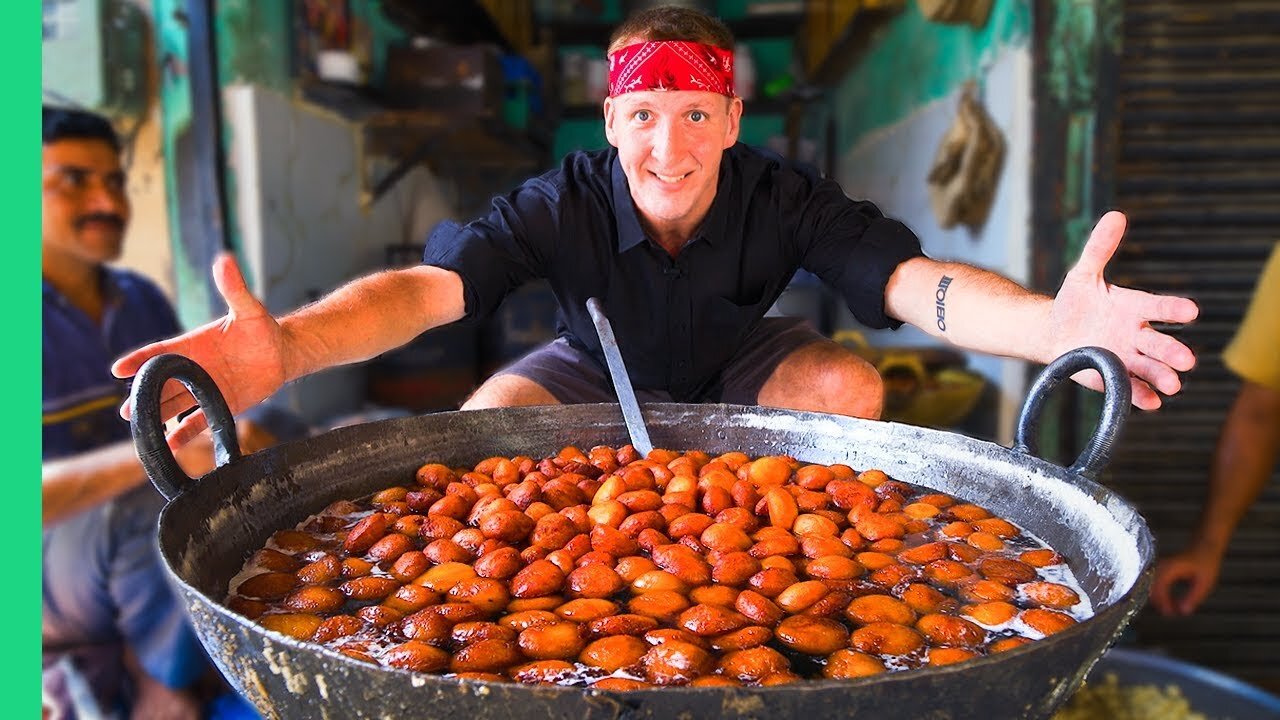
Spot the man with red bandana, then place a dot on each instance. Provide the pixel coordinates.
(687, 237)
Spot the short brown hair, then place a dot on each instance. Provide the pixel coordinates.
(670, 22)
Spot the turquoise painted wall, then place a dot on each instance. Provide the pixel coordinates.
(190, 288)
(254, 43)
(913, 61)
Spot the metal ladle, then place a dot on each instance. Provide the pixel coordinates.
(621, 382)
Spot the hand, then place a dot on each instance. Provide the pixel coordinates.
(243, 351)
(196, 455)
(1090, 311)
(157, 701)
(1198, 568)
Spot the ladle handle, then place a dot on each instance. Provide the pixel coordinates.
(621, 382)
(148, 426)
(1115, 406)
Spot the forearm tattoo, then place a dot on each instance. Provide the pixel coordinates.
(940, 301)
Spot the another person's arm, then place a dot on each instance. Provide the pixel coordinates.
(1246, 455)
(155, 699)
(979, 310)
(250, 354)
(77, 483)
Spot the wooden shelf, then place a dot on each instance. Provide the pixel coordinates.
(463, 22)
(443, 139)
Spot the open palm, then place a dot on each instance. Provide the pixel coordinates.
(243, 351)
(1090, 311)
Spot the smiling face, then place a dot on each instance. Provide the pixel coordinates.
(670, 144)
(85, 209)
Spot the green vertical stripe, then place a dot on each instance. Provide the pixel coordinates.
(21, 293)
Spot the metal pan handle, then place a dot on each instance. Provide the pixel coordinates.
(1115, 406)
(148, 426)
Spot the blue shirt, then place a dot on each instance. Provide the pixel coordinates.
(81, 396)
(678, 320)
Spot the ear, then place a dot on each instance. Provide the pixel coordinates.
(609, 112)
(735, 122)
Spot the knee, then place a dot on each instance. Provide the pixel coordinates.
(853, 387)
(508, 391)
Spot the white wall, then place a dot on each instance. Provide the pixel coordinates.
(146, 244)
(302, 230)
(889, 167)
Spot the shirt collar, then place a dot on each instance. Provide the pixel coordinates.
(631, 234)
(713, 225)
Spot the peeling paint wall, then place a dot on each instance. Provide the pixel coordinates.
(146, 246)
(891, 112)
(913, 61)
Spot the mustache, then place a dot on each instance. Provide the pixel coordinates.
(108, 218)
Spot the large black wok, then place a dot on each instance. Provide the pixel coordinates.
(211, 526)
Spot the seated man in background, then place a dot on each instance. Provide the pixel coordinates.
(116, 640)
(1246, 453)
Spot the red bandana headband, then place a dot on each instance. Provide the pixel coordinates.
(671, 65)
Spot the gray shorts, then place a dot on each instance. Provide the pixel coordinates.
(573, 376)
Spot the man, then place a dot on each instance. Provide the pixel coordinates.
(1246, 455)
(115, 638)
(688, 238)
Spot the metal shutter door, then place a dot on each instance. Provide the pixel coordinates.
(1198, 172)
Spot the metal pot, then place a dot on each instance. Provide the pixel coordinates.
(211, 526)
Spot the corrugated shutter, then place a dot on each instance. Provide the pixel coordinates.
(1198, 171)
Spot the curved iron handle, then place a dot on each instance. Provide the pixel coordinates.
(1115, 406)
(148, 427)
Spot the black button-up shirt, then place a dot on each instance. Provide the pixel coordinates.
(678, 320)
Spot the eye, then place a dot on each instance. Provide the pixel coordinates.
(642, 115)
(115, 182)
(73, 179)
(697, 116)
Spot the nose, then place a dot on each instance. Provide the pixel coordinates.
(668, 143)
(105, 198)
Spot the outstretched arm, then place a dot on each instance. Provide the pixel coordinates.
(982, 311)
(250, 354)
(1242, 464)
